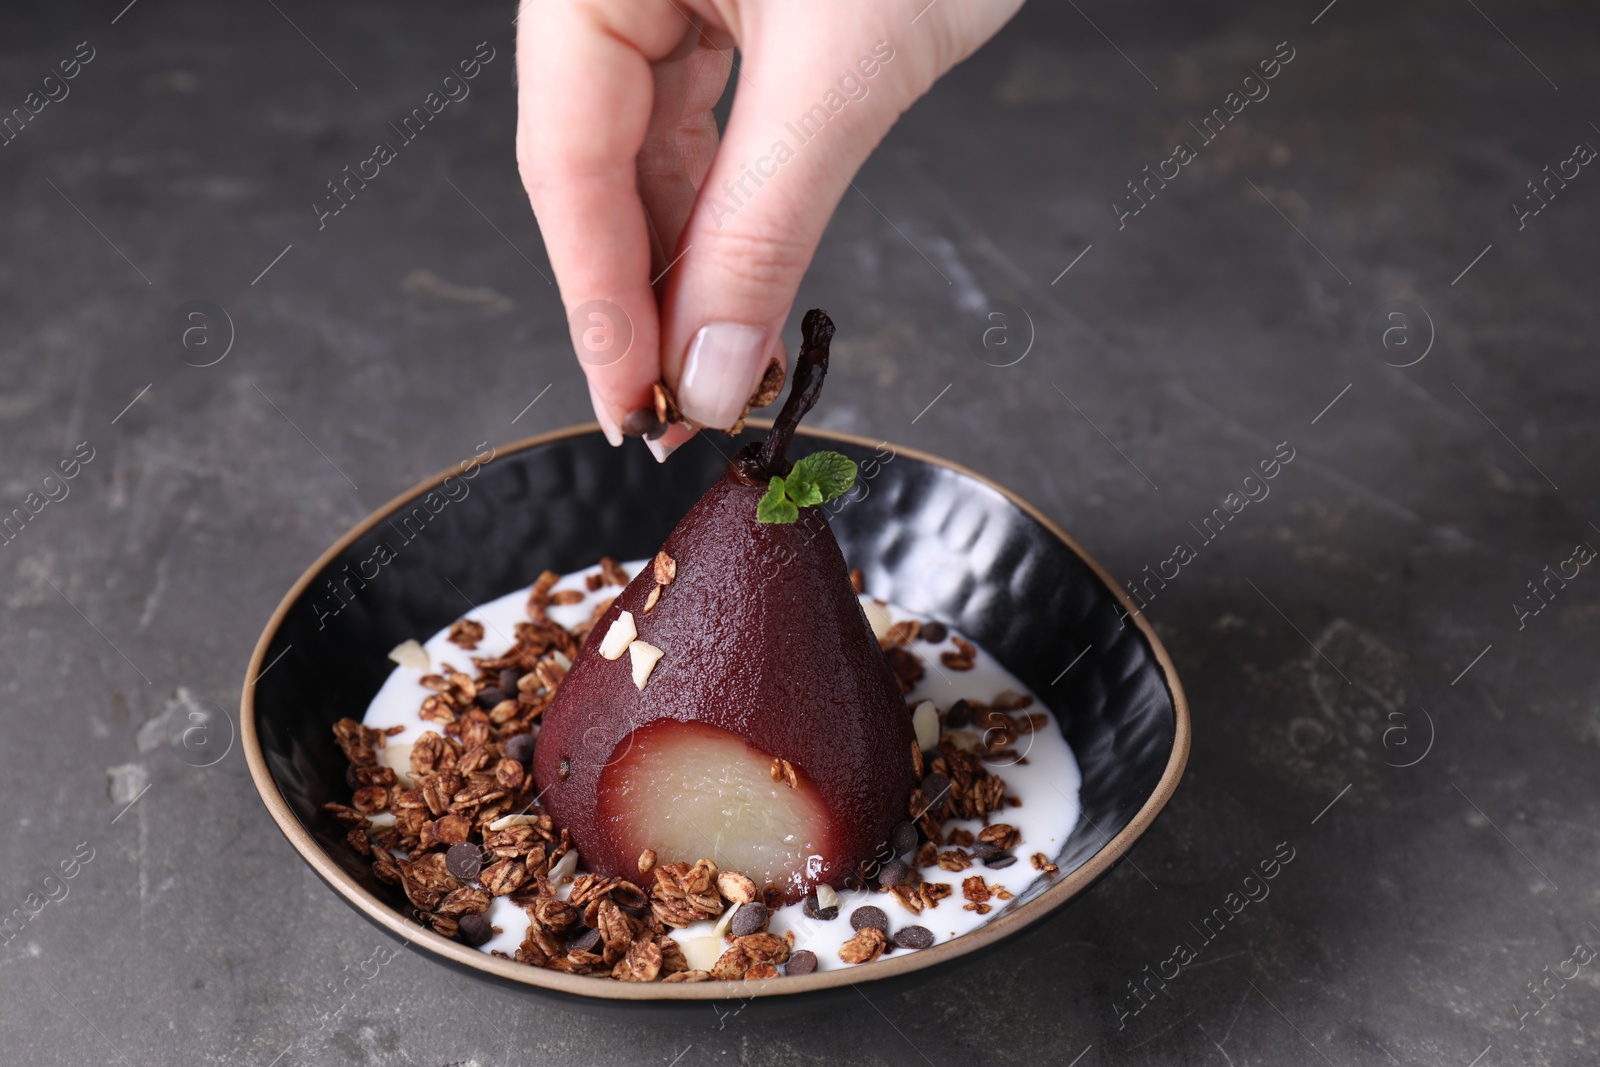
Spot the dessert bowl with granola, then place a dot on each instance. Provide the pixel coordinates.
(429, 764)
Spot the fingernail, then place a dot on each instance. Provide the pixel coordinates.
(608, 425)
(669, 442)
(724, 362)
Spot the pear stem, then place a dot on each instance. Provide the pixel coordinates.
(767, 460)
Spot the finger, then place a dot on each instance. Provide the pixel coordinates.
(679, 146)
(584, 100)
(803, 122)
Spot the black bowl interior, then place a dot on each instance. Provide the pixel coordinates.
(927, 537)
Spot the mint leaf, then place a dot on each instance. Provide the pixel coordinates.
(776, 505)
(803, 493)
(830, 473)
(815, 479)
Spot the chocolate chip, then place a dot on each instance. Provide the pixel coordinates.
(936, 787)
(508, 679)
(960, 712)
(801, 961)
(809, 906)
(631, 899)
(751, 918)
(463, 861)
(913, 937)
(475, 929)
(903, 838)
(893, 873)
(1000, 862)
(586, 941)
(934, 632)
(862, 918)
(982, 850)
(640, 423)
(488, 698)
(520, 748)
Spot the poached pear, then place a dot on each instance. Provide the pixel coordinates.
(733, 703)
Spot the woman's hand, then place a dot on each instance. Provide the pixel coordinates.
(678, 257)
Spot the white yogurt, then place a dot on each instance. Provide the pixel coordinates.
(1046, 781)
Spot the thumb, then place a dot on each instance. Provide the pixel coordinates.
(805, 117)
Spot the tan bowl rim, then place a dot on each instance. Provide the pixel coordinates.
(898, 964)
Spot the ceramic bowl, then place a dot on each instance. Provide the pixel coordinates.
(928, 535)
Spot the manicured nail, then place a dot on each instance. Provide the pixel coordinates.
(676, 433)
(608, 425)
(724, 363)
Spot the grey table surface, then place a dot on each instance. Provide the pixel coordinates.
(1343, 269)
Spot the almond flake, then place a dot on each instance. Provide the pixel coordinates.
(619, 637)
(650, 599)
(507, 821)
(398, 759)
(411, 654)
(702, 952)
(564, 867)
(827, 897)
(877, 617)
(724, 922)
(645, 655)
(925, 720)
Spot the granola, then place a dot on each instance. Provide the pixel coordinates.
(452, 820)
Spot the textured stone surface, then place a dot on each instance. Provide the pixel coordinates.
(1220, 321)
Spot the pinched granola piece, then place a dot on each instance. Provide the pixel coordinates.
(762, 970)
(1041, 862)
(647, 862)
(562, 598)
(651, 598)
(954, 860)
(866, 946)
